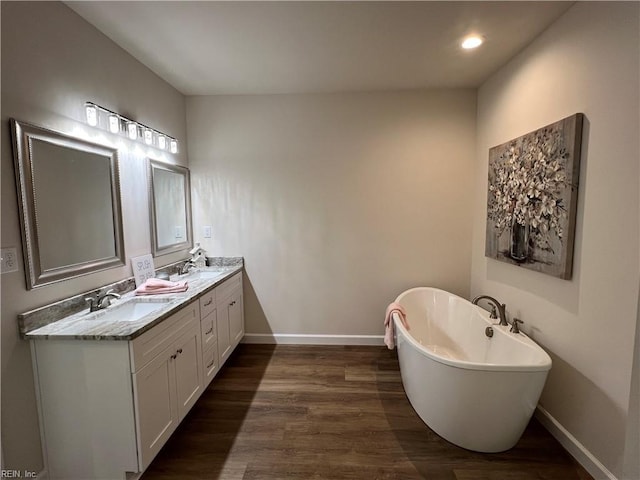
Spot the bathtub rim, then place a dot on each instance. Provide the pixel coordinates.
(464, 364)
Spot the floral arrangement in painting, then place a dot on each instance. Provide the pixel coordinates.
(531, 197)
(528, 184)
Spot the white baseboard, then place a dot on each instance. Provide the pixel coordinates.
(295, 339)
(584, 457)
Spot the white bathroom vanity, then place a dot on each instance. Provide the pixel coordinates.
(111, 392)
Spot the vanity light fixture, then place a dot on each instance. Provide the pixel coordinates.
(472, 41)
(101, 117)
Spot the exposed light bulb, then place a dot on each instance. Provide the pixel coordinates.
(114, 123)
(472, 41)
(92, 114)
(132, 129)
(118, 124)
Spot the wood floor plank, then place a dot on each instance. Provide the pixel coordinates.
(332, 412)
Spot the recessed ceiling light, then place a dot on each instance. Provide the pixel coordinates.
(472, 41)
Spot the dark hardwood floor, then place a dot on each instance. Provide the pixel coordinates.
(307, 412)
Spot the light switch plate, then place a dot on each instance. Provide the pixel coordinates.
(9, 259)
(206, 231)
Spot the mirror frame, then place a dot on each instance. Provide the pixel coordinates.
(23, 134)
(156, 249)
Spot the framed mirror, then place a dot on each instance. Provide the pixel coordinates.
(170, 207)
(69, 204)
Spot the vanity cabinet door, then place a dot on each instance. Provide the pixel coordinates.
(230, 324)
(188, 365)
(164, 391)
(230, 316)
(236, 318)
(156, 405)
(224, 342)
(154, 341)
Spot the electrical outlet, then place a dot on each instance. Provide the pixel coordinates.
(206, 231)
(178, 231)
(9, 260)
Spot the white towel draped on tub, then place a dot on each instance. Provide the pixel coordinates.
(388, 323)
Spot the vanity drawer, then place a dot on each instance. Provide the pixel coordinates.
(148, 345)
(210, 364)
(228, 286)
(207, 303)
(209, 330)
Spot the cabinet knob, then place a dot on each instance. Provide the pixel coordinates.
(173, 357)
(179, 350)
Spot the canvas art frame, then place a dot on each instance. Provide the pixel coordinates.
(532, 196)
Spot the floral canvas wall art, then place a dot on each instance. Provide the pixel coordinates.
(532, 196)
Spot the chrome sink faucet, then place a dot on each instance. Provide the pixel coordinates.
(497, 306)
(186, 266)
(101, 300)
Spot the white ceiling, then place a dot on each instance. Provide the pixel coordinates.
(208, 48)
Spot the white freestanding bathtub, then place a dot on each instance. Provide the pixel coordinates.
(476, 392)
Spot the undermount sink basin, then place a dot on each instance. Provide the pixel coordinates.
(202, 275)
(132, 309)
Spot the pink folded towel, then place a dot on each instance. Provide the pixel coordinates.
(159, 283)
(388, 323)
(156, 286)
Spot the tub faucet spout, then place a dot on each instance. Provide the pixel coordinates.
(496, 305)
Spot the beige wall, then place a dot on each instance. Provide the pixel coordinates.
(585, 62)
(337, 202)
(52, 62)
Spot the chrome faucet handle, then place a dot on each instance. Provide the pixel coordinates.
(92, 301)
(514, 325)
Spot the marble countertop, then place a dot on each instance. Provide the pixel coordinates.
(90, 326)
